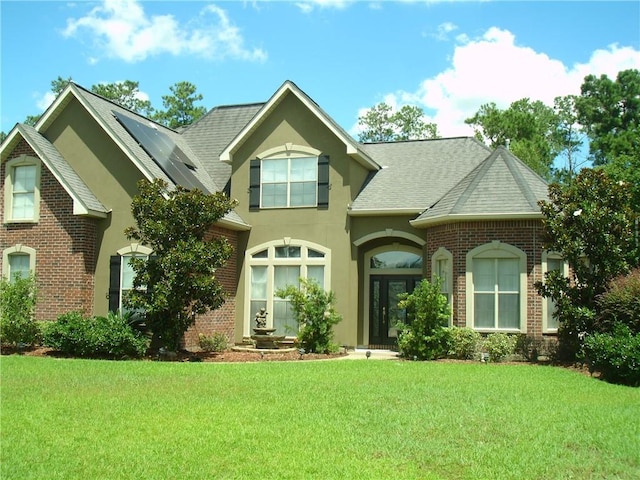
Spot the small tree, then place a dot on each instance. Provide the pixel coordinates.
(178, 282)
(592, 223)
(315, 314)
(382, 124)
(426, 337)
(17, 306)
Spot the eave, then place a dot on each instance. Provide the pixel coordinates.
(458, 218)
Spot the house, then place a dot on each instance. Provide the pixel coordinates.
(367, 221)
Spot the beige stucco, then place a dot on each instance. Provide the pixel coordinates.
(292, 123)
(108, 173)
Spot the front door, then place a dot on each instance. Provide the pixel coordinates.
(384, 313)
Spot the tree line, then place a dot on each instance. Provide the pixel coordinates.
(606, 114)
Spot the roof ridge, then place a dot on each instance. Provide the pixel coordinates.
(476, 175)
(524, 186)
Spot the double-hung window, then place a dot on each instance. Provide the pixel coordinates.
(22, 189)
(289, 176)
(289, 182)
(496, 288)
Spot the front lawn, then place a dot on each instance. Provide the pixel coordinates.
(81, 419)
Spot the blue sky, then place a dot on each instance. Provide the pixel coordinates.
(446, 57)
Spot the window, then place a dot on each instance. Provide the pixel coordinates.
(121, 274)
(18, 261)
(289, 176)
(551, 262)
(276, 265)
(442, 268)
(22, 190)
(289, 182)
(496, 288)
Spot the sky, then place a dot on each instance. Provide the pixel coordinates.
(447, 57)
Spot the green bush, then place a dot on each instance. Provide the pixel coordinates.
(17, 306)
(465, 343)
(97, 337)
(499, 346)
(315, 314)
(217, 342)
(620, 304)
(615, 355)
(426, 336)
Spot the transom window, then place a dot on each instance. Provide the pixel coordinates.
(274, 266)
(22, 196)
(289, 182)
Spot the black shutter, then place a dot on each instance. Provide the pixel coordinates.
(114, 283)
(323, 181)
(254, 185)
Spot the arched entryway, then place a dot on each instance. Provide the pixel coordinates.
(389, 271)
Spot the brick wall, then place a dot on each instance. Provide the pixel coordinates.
(460, 238)
(220, 320)
(64, 244)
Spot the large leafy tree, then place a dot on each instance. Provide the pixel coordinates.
(126, 94)
(382, 124)
(610, 111)
(593, 223)
(180, 107)
(529, 128)
(178, 281)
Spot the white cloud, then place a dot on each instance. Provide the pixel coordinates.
(43, 101)
(307, 6)
(123, 30)
(494, 68)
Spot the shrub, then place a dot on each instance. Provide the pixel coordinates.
(499, 346)
(315, 314)
(17, 306)
(426, 336)
(102, 337)
(465, 343)
(217, 342)
(620, 304)
(615, 355)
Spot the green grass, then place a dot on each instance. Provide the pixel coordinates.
(82, 419)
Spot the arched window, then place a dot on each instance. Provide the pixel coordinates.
(121, 274)
(551, 261)
(18, 261)
(22, 190)
(497, 288)
(289, 176)
(275, 265)
(442, 268)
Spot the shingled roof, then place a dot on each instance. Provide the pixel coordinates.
(415, 174)
(84, 201)
(501, 186)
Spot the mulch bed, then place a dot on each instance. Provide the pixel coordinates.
(183, 356)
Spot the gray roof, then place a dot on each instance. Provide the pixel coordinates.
(104, 108)
(415, 174)
(501, 185)
(70, 180)
(213, 132)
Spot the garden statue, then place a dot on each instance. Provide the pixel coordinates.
(261, 318)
